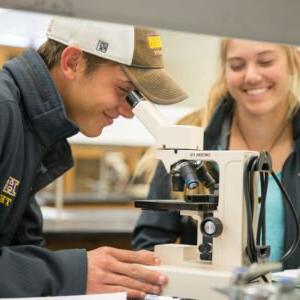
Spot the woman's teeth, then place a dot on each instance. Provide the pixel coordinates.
(257, 91)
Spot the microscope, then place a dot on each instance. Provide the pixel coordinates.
(226, 214)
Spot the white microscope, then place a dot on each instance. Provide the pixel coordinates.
(226, 215)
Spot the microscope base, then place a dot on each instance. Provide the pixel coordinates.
(194, 283)
(188, 277)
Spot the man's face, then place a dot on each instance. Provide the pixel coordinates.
(95, 100)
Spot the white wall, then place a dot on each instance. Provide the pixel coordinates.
(191, 59)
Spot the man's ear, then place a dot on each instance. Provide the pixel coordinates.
(72, 62)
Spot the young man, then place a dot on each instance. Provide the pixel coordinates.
(77, 81)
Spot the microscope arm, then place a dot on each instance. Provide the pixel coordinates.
(173, 137)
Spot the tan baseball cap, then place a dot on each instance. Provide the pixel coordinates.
(137, 49)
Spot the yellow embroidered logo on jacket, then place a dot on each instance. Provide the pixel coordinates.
(5, 200)
(11, 186)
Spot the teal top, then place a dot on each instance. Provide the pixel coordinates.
(274, 219)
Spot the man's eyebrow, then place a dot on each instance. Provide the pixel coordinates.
(128, 83)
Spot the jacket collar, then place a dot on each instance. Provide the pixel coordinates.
(40, 101)
(296, 128)
(217, 131)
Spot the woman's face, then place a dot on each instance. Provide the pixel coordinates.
(257, 76)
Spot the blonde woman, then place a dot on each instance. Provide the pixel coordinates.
(252, 106)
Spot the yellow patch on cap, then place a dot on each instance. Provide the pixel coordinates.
(154, 42)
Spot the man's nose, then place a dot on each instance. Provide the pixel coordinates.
(112, 112)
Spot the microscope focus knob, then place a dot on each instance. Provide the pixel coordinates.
(211, 227)
(205, 248)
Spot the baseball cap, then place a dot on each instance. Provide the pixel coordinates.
(137, 49)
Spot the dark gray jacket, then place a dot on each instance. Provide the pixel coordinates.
(164, 227)
(33, 152)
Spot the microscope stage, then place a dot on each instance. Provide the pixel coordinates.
(175, 205)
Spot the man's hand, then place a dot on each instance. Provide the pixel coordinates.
(115, 270)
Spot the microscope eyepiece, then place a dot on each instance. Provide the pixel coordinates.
(134, 97)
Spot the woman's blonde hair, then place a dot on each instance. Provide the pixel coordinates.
(219, 90)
